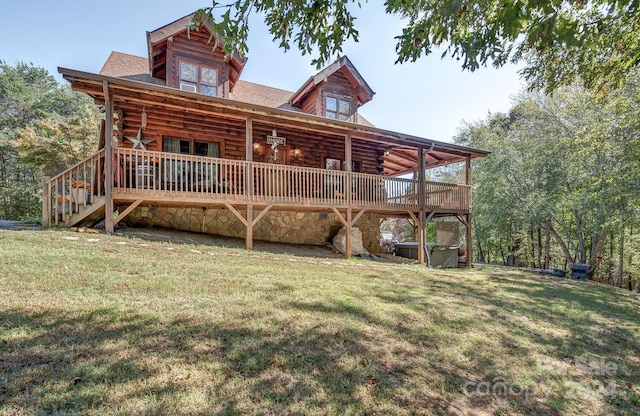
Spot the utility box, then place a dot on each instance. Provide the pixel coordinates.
(444, 257)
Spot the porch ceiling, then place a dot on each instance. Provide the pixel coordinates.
(400, 158)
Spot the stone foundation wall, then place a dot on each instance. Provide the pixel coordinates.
(279, 226)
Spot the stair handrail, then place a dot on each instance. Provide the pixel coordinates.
(59, 202)
(97, 154)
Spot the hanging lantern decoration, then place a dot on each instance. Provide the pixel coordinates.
(143, 121)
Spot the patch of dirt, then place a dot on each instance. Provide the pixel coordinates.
(183, 237)
(301, 250)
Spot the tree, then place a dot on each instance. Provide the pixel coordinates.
(45, 127)
(560, 41)
(563, 166)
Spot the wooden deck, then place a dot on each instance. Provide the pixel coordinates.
(146, 177)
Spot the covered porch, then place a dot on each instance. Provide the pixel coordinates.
(380, 170)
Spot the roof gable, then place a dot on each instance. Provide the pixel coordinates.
(157, 47)
(343, 65)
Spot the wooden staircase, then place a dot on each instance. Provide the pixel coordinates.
(75, 197)
(87, 215)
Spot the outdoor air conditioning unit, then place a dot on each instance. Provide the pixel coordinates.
(188, 87)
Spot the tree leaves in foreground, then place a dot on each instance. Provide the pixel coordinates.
(45, 128)
(559, 41)
(562, 180)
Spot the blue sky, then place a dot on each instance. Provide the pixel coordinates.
(429, 98)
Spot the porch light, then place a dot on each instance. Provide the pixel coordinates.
(256, 148)
(297, 153)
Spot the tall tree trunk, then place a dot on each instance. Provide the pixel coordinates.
(478, 243)
(539, 247)
(547, 249)
(599, 238)
(582, 254)
(565, 250)
(533, 248)
(621, 258)
(610, 260)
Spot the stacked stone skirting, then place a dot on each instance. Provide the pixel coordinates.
(278, 226)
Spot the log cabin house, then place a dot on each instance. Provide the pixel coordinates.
(187, 144)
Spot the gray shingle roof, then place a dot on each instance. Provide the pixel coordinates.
(123, 65)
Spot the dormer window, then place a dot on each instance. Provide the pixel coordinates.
(198, 78)
(338, 108)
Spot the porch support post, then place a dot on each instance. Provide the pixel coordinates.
(468, 216)
(426, 221)
(108, 158)
(466, 221)
(469, 245)
(249, 224)
(347, 190)
(249, 178)
(347, 248)
(349, 166)
(249, 139)
(421, 204)
(467, 171)
(347, 152)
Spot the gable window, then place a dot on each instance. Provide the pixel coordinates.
(337, 108)
(198, 78)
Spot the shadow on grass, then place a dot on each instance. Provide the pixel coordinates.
(314, 357)
(596, 318)
(107, 361)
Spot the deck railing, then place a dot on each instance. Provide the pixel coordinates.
(162, 176)
(68, 192)
(139, 172)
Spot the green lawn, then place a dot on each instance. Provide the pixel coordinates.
(98, 324)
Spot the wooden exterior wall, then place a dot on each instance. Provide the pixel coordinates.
(231, 135)
(163, 123)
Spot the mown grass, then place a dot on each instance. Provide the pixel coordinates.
(98, 324)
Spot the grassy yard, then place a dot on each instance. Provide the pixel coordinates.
(98, 324)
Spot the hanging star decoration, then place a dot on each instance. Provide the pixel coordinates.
(138, 141)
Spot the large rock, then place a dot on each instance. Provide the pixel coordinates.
(357, 248)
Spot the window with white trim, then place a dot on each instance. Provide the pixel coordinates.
(198, 78)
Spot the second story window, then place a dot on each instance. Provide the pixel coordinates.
(198, 78)
(337, 108)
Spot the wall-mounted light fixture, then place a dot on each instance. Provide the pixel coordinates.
(257, 148)
(297, 153)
